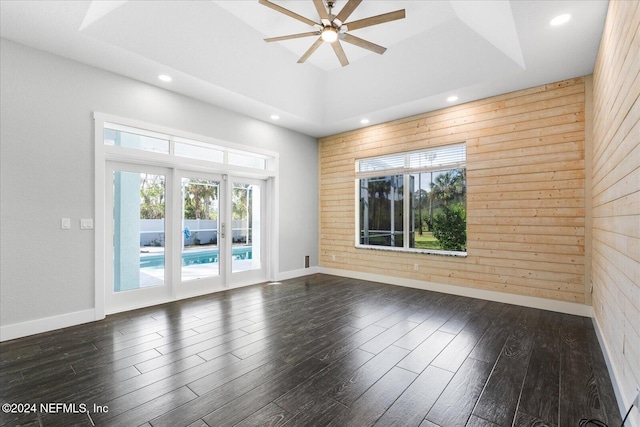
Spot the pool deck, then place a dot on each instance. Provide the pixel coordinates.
(154, 276)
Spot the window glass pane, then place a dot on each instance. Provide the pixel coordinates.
(124, 139)
(381, 204)
(393, 161)
(438, 210)
(197, 151)
(439, 158)
(247, 160)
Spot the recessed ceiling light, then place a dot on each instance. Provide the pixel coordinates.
(364, 121)
(560, 19)
(165, 78)
(275, 117)
(452, 98)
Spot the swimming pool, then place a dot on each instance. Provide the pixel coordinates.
(194, 257)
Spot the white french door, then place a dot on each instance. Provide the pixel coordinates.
(246, 243)
(173, 234)
(201, 267)
(137, 237)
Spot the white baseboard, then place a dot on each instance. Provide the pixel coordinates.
(614, 375)
(522, 300)
(32, 327)
(292, 274)
(17, 330)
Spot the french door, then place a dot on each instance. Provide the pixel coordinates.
(173, 234)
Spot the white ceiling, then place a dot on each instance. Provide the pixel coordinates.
(215, 52)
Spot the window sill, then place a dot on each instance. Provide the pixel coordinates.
(415, 251)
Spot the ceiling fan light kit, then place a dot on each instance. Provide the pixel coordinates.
(334, 28)
(329, 34)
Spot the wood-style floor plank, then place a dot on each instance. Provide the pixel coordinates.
(373, 403)
(454, 406)
(416, 401)
(540, 392)
(315, 351)
(499, 399)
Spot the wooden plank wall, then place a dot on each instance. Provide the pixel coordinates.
(616, 192)
(525, 202)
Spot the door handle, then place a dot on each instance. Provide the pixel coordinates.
(222, 226)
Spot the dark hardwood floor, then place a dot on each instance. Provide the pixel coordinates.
(314, 351)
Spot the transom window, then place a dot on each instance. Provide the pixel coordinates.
(117, 135)
(414, 201)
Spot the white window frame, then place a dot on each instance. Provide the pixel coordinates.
(406, 170)
(105, 153)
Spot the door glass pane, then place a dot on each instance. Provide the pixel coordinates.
(138, 230)
(200, 219)
(246, 227)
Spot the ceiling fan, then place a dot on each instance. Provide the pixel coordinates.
(333, 28)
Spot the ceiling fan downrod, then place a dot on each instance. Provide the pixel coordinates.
(334, 28)
(330, 5)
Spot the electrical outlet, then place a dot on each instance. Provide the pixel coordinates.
(86, 224)
(415, 267)
(333, 257)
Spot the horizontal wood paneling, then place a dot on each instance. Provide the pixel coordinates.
(525, 201)
(616, 193)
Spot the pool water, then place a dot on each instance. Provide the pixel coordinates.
(206, 256)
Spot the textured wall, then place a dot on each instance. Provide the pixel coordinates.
(47, 173)
(616, 193)
(525, 201)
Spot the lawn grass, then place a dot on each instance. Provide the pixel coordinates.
(426, 241)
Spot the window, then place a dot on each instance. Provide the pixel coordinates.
(138, 139)
(121, 136)
(414, 201)
(198, 150)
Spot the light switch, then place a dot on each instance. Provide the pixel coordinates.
(86, 224)
(65, 223)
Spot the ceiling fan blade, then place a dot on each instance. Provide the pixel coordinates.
(322, 11)
(375, 20)
(287, 12)
(312, 49)
(292, 36)
(337, 48)
(347, 10)
(363, 43)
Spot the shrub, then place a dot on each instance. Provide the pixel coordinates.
(449, 226)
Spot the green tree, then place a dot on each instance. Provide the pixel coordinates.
(421, 201)
(242, 209)
(449, 226)
(447, 186)
(240, 201)
(199, 195)
(151, 196)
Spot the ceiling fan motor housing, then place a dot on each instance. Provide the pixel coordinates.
(334, 28)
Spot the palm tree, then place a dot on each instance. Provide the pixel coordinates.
(198, 197)
(448, 185)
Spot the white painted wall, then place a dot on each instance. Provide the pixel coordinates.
(47, 173)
